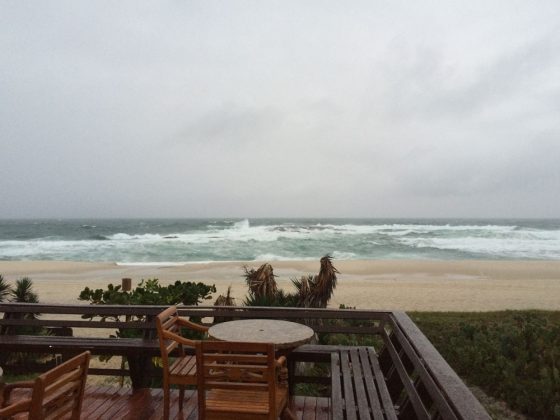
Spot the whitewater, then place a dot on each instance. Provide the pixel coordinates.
(177, 241)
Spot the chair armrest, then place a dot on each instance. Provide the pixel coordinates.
(281, 362)
(17, 407)
(178, 338)
(282, 371)
(8, 388)
(192, 325)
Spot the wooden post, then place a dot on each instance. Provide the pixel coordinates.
(126, 284)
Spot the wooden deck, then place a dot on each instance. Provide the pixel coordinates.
(115, 403)
(404, 375)
(147, 404)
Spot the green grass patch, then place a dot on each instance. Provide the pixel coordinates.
(513, 356)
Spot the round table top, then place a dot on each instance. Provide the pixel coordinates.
(283, 334)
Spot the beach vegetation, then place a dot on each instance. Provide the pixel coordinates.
(224, 300)
(150, 292)
(310, 291)
(513, 356)
(23, 291)
(5, 289)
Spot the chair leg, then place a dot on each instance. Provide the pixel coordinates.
(181, 396)
(287, 414)
(166, 402)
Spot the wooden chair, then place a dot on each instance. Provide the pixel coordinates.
(179, 370)
(240, 381)
(55, 393)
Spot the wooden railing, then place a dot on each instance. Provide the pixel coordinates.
(420, 382)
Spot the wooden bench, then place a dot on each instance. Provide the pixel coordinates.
(358, 386)
(408, 379)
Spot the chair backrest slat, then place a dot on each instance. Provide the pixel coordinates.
(248, 359)
(169, 322)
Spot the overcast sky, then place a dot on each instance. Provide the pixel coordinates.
(262, 108)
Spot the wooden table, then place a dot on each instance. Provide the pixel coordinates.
(284, 335)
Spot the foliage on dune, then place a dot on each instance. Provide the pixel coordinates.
(513, 356)
(310, 291)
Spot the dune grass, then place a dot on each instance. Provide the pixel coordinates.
(513, 356)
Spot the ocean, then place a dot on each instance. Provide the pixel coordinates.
(176, 241)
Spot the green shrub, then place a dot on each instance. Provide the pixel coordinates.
(514, 355)
(148, 292)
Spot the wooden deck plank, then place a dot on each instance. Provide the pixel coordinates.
(359, 385)
(309, 408)
(347, 386)
(190, 404)
(119, 403)
(371, 387)
(102, 400)
(139, 398)
(94, 401)
(382, 387)
(336, 387)
(323, 410)
(107, 400)
(298, 404)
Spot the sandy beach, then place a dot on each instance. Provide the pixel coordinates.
(398, 284)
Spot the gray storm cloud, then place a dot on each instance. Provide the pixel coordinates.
(280, 109)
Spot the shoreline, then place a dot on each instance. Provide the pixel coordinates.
(422, 285)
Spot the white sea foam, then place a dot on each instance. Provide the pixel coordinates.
(242, 225)
(338, 255)
(143, 237)
(176, 243)
(493, 247)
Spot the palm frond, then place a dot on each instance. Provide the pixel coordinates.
(325, 282)
(23, 292)
(261, 282)
(5, 289)
(226, 300)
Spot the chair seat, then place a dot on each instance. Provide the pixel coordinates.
(183, 370)
(248, 402)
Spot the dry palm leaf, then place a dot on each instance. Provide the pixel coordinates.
(261, 282)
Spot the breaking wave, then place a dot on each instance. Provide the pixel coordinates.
(180, 241)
